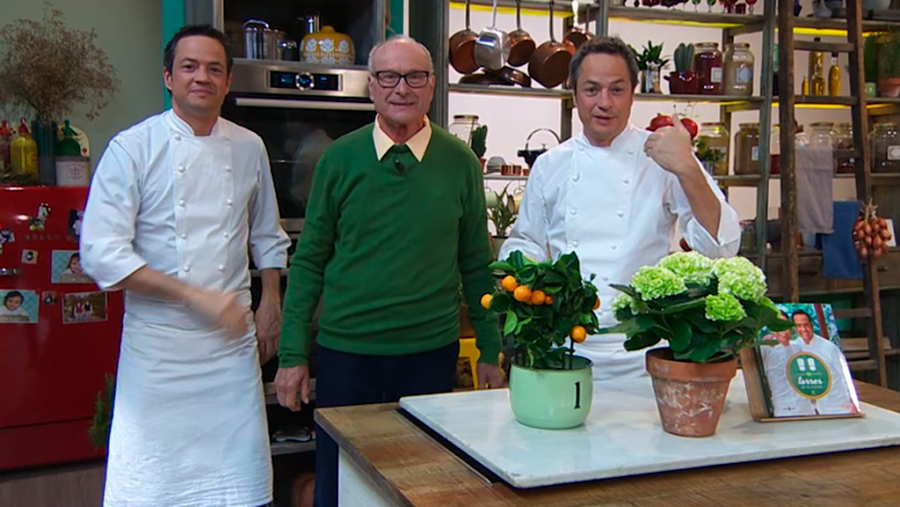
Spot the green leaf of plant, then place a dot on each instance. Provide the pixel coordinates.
(682, 332)
(511, 322)
(641, 341)
(678, 308)
(501, 266)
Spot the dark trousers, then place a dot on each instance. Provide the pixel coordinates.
(352, 379)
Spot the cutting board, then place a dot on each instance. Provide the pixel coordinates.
(623, 436)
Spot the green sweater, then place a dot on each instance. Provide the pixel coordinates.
(386, 249)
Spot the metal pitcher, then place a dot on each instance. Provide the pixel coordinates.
(259, 40)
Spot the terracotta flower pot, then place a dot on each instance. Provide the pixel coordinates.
(683, 83)
(889, 87)
(690, 396)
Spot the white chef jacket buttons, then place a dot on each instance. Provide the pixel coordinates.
(613, 247)
(626, 181)
(229, 202)
(573, 212)
(575, 244)
(181, 202)
(621, 214)
(605, 278)
(183, 235)
(227, 168)
(181, 168)
(221, 267)
(177, 137)
(575, 177)
(187, 269)
(226, 234)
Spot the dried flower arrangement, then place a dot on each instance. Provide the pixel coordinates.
(49, 68)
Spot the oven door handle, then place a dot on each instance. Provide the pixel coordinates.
(305, 104)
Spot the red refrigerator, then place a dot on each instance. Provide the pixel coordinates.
(59, 335)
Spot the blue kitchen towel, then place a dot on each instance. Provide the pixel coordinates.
(839, 257)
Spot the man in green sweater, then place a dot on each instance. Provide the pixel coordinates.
(396, 219)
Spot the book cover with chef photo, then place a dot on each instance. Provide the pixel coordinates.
(804, 373)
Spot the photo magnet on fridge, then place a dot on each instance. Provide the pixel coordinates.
(75, 224)
(66, 268)
(29, 257)
(18, 306)
(84, 307)
(6, 236)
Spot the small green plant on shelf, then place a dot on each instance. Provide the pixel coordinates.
(478, 141)
(650, 56)
(503, 214)
(707, 154)
(889, 56)
(870, 59)
(684, 58)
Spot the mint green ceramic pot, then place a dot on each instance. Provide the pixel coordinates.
(552, 399)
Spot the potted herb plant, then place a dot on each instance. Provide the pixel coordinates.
(478, 143)
(870, 65)
(707, 311)
(712, 159)
(548, 307)
(650, 62)
(889, 65)
(683, 81)
(502, 212)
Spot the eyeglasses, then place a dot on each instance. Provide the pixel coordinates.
(390, 79)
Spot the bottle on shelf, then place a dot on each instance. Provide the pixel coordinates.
(775, 150)
(23, 151)
(834, 77)
(817, 71)
(804, 86)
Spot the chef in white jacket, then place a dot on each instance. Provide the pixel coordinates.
(614, 193)
(175, 202)
(840, 398)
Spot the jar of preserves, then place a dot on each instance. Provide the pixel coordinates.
(843, 140)
(708, 67)
(885, 144)
(746, 149)
(463, 125)
(713, 152)
(738, 63)
(820, 135)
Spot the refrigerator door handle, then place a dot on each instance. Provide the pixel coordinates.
(10, 271)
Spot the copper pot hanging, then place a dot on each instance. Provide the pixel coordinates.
(462, 48)
(521, 45)
(549, 64)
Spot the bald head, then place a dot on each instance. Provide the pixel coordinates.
(402, 45)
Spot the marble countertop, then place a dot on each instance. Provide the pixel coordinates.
(623, 436)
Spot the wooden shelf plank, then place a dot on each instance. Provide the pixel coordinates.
(827, 47)
(724, 100)
(511, 91)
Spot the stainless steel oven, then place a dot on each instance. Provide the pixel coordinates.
(298, 110)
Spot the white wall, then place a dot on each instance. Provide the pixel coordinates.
(510, 119)
(130, 32)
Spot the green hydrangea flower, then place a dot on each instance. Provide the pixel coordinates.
(691, 266)
(740, 278)
(724, 307)
(653, 282)
(623, 301)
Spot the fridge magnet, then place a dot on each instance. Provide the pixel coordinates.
(29, 257)
(66, 268)
(37, 223)
(48, 297)
(75, 224)
(801, 373)
(18, 306)
(6, 236)
(84, 307)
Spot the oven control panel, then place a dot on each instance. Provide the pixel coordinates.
(304, 81)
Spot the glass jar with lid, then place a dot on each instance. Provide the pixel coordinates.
(885, 144)
(713, 153)
(738, 64)
(463, 125)
(820, 135)
(746, 149)
(843, 140)
(708, 67)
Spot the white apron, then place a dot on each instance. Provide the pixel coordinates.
(189, 422)
(189, 427)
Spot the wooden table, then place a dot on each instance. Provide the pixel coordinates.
(387, 460)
